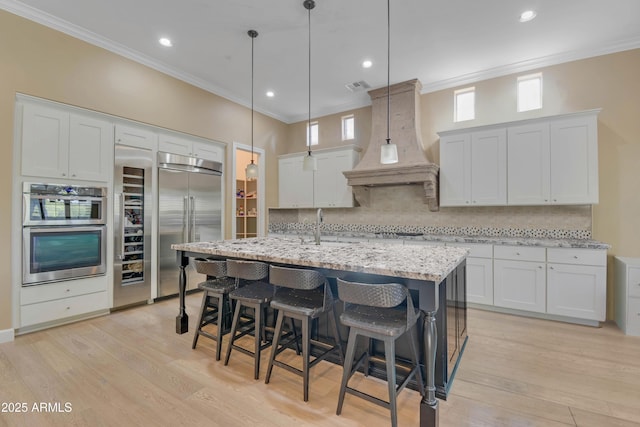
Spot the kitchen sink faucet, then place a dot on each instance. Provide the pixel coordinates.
(316, 233)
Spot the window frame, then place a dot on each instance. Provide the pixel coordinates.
(317, 133)
(456, 110)
(344, 120)
(519, 91)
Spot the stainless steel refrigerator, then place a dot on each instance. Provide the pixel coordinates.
(132, 222)
(189, 210)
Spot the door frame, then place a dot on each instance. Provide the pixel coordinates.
(261, 187)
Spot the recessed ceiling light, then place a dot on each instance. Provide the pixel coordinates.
(367, 64)
(527, 16)
(270, 94)
(165, 42)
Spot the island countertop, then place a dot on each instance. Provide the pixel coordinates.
(432, 263)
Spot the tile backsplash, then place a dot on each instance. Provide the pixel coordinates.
(398, 210)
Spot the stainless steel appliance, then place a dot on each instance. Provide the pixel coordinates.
(132, 225)
(189, 210)
(63, 233)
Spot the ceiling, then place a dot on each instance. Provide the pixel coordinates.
(443, 43)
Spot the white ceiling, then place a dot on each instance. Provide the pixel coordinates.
(443, 43)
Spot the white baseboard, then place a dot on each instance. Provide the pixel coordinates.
(6, 335)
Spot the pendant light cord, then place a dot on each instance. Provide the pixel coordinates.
(388, 70)
(309, 6)
(253, 34)
(252, 40)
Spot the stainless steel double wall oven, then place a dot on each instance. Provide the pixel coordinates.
(63, 232)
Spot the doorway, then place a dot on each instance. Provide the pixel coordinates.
(248, 201)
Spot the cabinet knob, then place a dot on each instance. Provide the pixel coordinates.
(467, 202)
(539, 266)
(575, 256)
(64, 174)
(550, 268)
(68, 308)
(68, 290)
(518, 253)
(546, 200)
(73, 175)
(555, 200)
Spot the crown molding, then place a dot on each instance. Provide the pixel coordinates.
(78, 32)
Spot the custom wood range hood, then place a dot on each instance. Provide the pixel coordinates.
(413, 167)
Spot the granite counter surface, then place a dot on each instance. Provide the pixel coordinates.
(432, 263)
(447, 238)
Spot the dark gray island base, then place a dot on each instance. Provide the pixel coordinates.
(435, 276)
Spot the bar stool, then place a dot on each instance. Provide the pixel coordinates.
(375, 311)
(256, 295)
(298, 296)
(215, 302)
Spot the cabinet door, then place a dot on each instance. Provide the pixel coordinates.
(528, 164)
(489, 167)
(455, 167)
(45, 142)
(330, 185)
(519, 285)
(578, 291)
(135, 137)
(90, 148)
(295, 185)
(207, 151)
(175, 145)
(574, 160)
(480, 280)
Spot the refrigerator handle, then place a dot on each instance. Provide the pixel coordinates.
(186, 232)
(123, 221)
(192, 207)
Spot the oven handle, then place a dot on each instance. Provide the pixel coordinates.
(63, 197)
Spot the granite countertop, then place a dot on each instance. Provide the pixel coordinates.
(447, 238)
(432, 263)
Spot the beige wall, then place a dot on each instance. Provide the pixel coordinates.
(39, 61)
(609, 82)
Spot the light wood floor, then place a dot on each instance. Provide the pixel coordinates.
(131, 369)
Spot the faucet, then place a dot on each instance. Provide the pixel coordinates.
(316, 233)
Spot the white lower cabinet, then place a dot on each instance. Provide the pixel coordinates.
(479, 272)
(480, 280)
(577, 283)
(627, 292)
(519, 285)
(56, 301)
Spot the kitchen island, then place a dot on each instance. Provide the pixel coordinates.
(434, 275)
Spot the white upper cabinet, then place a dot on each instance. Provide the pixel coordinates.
(330, 184)
(473, 168)
(324, 188)
(186, 147)
(528, 157)
(551, 160)
(59, 144)
(295, 185)
(489, 167)
(574, 159)
(455, 170)
(136, 137)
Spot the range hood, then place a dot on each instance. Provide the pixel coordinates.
(413, 166)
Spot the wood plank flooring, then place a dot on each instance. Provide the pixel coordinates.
(131, 369)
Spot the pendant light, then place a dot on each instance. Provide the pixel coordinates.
(388, 151)
(309, 163)
(251, 171)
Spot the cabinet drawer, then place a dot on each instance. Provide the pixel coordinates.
(522, 253)
(33, 314)
(577, 256)
(634, 281)
(476, 250)
(54, 291)
(633, 317)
